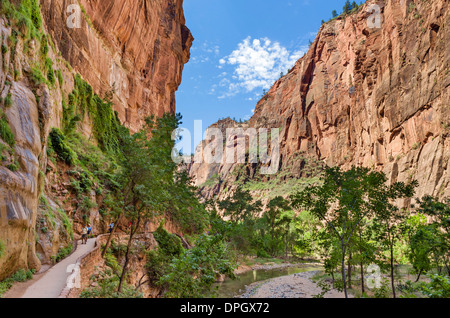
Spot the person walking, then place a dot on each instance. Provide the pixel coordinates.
(90, 232)
(110, 228)
(84, 234)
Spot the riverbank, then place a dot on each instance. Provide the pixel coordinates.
(293, 286)
(243, 268)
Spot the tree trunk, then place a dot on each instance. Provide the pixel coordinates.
(363, 289)
(350, 271)
(111, 235)
(127, 254)
(418, 277)
(392, 271)
(343, 268)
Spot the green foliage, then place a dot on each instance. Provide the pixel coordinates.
(2, 249)
(50, 72)
(185, 207)
(106, 125)
(67, 223)
(62, 254)
(430, 243)
(36, 76)
(169, 246)
(4, 49)
(8, 100)
(193, 273)
(64, 152)
(355, 195)
(26, 15)
(240, 207)
(108, 283)
(383, 291)
(5, 131)
(347, 7)
(439, 287)
(170, 243)
(21, 275)
(60, 77)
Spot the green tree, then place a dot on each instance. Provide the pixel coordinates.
(271, 217)
(241, 206)
(347, 7)
(334, 13)
(147, 171)
(346, 198)
(192, 274)
(439, 213)
(389, 218)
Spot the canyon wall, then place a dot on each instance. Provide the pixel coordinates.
(372, 97)
(135, 48)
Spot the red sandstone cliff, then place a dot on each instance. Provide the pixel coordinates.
(140, 46)
(137, 47)
(373, 97)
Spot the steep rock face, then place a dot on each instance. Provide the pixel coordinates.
(137, 48)
(144, 58)
(376, 97)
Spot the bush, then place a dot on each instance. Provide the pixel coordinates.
(36, 76)
(108, 284)
(2, 249)
(5, 131)
(21, 275)
(62, 254)
(63, 151)
(193, 273)
(8, 100)
(170, 243)
(439, 287)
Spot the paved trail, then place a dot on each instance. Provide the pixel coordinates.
(51, 283)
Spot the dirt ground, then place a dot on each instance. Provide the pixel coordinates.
(294, 286)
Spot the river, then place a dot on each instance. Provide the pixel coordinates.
(232, 288)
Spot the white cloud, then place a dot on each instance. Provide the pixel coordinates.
(258, 63)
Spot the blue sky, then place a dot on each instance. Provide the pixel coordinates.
(240, 49)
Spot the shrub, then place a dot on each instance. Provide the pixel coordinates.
(63, 151)
(8, 100)
(439, 287)
(5, 131)
(36, 76)
(2, 249)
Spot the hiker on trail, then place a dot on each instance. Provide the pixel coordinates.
(84, 234)
(110, 228)
(89, 230)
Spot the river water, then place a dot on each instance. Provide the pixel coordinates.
(231, 288)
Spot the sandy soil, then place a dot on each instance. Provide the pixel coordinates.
(246, 268)
(50, 282)
(293, 286)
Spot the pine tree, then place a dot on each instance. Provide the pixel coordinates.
(347, 7)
